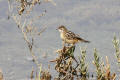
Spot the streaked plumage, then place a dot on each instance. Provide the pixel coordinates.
(69, 37)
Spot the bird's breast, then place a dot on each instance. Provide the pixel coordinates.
(62, 36)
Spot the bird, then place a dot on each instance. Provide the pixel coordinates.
(70, 37)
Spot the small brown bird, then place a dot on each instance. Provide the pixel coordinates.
(69, 37)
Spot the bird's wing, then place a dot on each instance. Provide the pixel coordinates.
(70, 35)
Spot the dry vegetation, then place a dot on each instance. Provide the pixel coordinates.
(19, 11)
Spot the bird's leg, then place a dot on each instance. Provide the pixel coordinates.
(68, 45)
(63, 44)
(73, 45)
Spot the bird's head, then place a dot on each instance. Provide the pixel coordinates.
(62, 28)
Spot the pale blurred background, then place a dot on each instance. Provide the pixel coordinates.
(93, 20)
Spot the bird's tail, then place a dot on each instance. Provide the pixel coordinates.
(86, 41)
(80, 39)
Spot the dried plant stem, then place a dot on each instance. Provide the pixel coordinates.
(30, 45)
